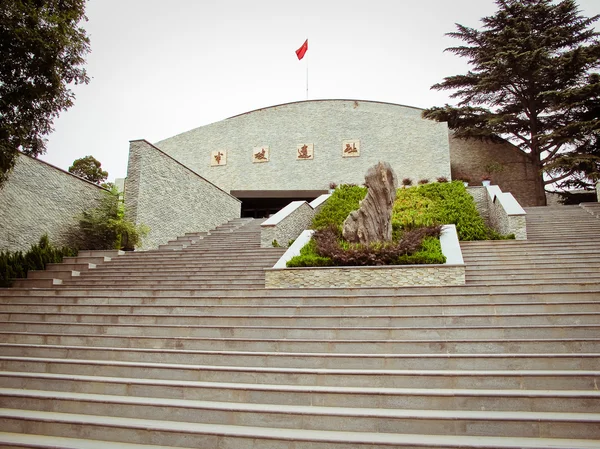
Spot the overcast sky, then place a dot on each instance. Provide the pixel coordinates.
(163, 67)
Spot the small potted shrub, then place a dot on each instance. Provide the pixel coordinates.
(406, 182)
(442, 179)
(423, 181)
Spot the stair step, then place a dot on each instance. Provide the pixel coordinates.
(561, 361)
(358, 345)
(567, 401)
(178, 331)
(170, 433)
(551, 379)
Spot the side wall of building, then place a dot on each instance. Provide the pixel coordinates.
(416, 148)
(39, 199)
(171, 199)
(470, 157)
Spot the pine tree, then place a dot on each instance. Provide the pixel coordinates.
(531, 82)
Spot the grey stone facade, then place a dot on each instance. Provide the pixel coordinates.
(39, 198)
(348, 277)
(416, 148)
(171, 199)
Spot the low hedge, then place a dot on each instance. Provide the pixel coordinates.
(16, 264)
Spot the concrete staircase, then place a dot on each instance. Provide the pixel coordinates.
(185, 348)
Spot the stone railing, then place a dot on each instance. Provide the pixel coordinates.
(500, 210)
(289, 222)
(450, 273)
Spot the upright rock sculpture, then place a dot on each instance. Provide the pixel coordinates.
(372, 222)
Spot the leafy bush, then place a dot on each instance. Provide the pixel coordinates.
(407, 182)
(16, 264)
(105, 227)
(441, 203)
(336, 209)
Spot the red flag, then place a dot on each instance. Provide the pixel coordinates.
(302, 50)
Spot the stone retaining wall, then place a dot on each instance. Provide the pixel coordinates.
(380, 276)
(289, 222)
(39, 199)
(500, 210)
(171, 199)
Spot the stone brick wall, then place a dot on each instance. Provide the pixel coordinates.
(39, 198)
(416, 148)
(171, 199)
(288, 227)
(479, 195)
(469, 157)
(500, 210)
(348, 277)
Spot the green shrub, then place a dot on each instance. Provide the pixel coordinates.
(336, 209)
(15, 265)
(309, 257)
(105, 227)
(441, 203)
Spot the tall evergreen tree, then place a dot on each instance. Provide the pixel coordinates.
(531, 82)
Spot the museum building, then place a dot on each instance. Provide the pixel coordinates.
(271, 156)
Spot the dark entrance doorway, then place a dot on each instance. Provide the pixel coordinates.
(263, 203)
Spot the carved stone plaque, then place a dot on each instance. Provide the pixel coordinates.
(350, 148)
(305, 151)
(218, 157)
(260, 154)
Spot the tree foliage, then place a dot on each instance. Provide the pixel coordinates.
(531, 82)
(89, 168)
(42, 50)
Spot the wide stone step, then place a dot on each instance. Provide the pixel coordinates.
(556, 268)
(314, 345)
(524, 361)
(36, 283)
(271, 298)
(154, 373)
(105, 271)
(591, 258)
(10, 440)
(532, 275)
(186, 434)
(174, 332)
(70, 266)
(87, 259)
(41, 274)
(185, 276)
(161, 307)
(534, 400)
(233, 284)
(309, 417)
(356, 294)
(416, 320)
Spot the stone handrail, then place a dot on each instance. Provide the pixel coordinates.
(505, 214)
(289, 222)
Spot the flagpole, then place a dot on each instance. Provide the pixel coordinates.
(307, 78)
